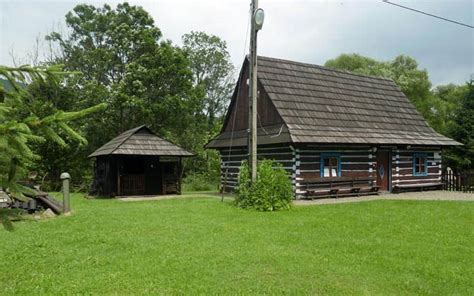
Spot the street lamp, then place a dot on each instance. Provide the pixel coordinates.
(258, 16)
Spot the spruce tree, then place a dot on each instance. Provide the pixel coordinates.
(21, 126)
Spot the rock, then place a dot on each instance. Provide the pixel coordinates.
(48, 214)
(4, 197)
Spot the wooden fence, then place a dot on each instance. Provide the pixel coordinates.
(458, 181)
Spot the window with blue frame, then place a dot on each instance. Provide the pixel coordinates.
(330, 166)
(420, 164)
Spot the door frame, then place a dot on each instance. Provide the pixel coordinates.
(389, 166)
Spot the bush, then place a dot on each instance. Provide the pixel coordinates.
(198, 182)
(272, 191)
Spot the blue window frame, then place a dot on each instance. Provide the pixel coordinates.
(330, 166)
(420, 164)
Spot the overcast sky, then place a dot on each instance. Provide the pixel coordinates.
(308, 31)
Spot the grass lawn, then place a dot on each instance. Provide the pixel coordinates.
(200, 245)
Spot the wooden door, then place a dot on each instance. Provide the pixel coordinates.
(382, 170)
(153, 179)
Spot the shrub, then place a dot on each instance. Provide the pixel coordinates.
(198, 182)
(272, 191)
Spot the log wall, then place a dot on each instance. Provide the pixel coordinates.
(402, 167)
(303, 162)
(356, 162)
(232, 159)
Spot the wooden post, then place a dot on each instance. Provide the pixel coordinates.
(66, 202)
(256, 22)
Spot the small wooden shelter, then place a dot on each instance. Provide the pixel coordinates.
(336, 133)
(138, 162)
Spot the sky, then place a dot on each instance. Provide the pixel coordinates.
(302, 30)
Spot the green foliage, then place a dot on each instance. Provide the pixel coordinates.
(272, 191)
(462, 130)
(7, 215)
(22, 124)
(199, 182)
(212, 70)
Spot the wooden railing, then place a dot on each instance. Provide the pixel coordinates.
(458, 181)
(132, 184)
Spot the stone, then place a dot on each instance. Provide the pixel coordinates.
(48, 214)
(4, 197)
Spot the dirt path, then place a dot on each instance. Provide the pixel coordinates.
(426, 195)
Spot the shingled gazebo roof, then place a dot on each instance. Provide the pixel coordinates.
(323, 105)
(140, 141)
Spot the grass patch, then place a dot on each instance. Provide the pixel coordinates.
(200, 245)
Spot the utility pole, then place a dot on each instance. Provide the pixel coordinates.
(256, 22)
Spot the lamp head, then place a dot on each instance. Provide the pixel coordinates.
(258, 18)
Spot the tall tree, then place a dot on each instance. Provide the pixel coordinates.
(121, 55)
(212, 70)
(462, 130)
(142, 78)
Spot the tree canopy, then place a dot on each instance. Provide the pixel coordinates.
(124, 61)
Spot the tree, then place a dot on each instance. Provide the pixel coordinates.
(21, 125)
(462, 130)
(213, 74)
(212, 70)
(120, 55)
(125, 63)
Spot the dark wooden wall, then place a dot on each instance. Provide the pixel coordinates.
(268, 115)
(230, 163)
(105, 176)
(159, 177)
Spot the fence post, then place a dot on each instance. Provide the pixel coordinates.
(66, 205)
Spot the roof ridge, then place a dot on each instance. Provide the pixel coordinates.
(324, 68)
(135, 130)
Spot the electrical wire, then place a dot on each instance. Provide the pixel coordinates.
(429, 14)
(236, 104)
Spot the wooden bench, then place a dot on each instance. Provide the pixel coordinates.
(405, 187)
(338, 187)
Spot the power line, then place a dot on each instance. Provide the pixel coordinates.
(429, 14)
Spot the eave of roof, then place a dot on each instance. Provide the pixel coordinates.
(140, 141)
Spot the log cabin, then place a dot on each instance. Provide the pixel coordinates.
(137, 162)
(336, 133)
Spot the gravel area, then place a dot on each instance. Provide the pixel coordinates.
(425, 195)
(147, 197)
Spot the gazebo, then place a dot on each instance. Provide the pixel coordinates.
(138, 162)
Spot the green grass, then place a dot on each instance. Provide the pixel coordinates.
(200, 246)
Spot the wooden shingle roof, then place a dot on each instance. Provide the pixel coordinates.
(322, 105)
(140, 141)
